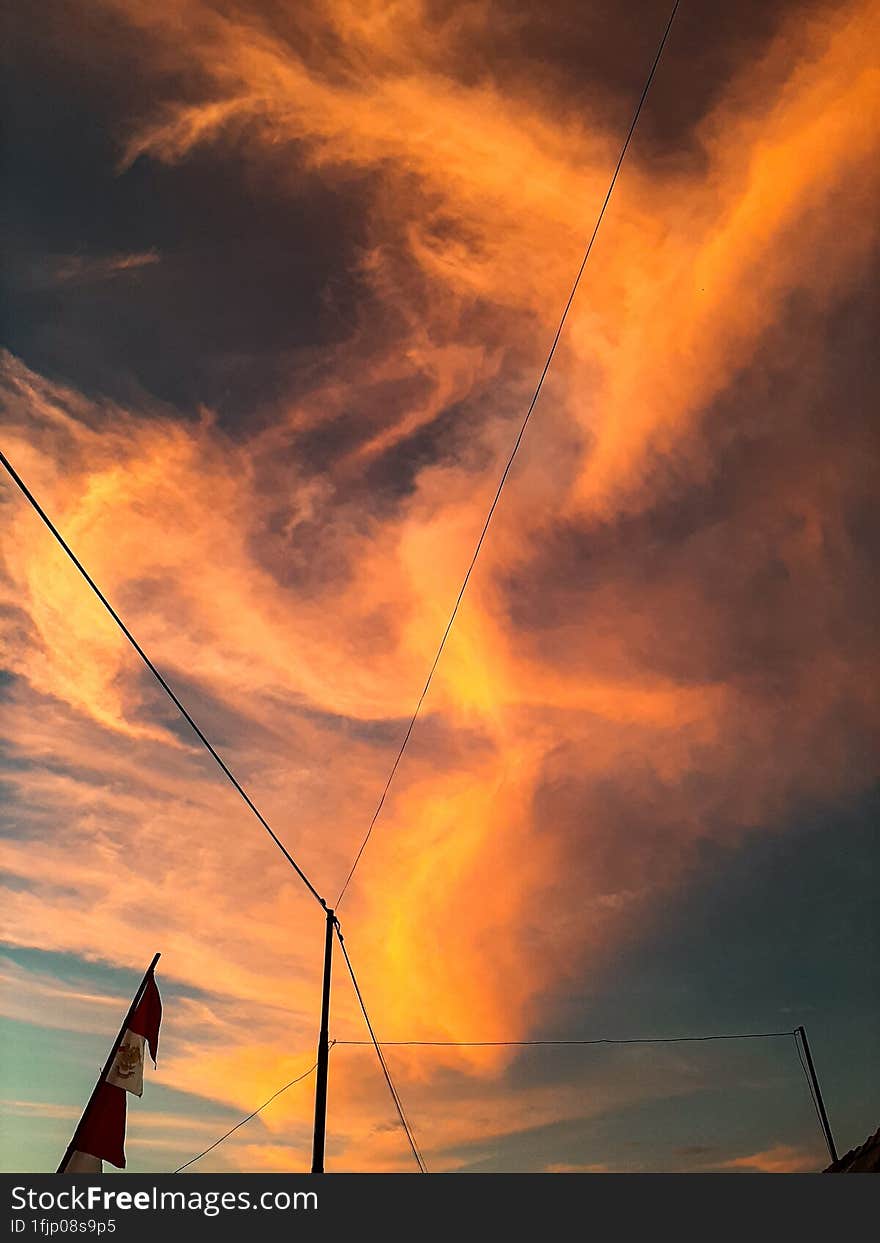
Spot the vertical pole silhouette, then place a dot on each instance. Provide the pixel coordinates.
(323, 1053)
(112, 1054)
(820, 1104)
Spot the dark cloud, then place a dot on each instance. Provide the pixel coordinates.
(249, 280)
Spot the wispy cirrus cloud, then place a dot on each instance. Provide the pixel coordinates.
(87, 269)
(781, 1159)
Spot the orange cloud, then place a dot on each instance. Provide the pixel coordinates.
(781, 1159)
(300, 614)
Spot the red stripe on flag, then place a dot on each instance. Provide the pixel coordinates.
(102, 1131)
(147, 1017)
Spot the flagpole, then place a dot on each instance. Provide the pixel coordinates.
(323, 1054)
(125, 1022)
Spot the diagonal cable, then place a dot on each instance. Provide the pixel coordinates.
(515, 449)
(398, 1104)
(16, 478)
(258, 1110)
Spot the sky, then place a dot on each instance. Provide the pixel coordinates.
(279, 279)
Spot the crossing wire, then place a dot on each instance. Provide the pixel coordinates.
(604, 1040)
(514, 451)
(17, 479)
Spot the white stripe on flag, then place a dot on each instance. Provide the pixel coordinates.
(83, 1163)
(127, 1070)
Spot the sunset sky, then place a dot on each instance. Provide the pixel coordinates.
(280, 276)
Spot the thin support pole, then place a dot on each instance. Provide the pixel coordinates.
(112, 1054)
(817, 1091)
(323, 1053)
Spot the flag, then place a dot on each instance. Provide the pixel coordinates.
(127, 1069)
(100, 1135)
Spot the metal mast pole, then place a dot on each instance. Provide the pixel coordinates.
(323, 1053)
(820, 1104)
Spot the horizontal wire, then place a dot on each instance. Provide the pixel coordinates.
(485, 1043)
(472, 1044)
(157, 675)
